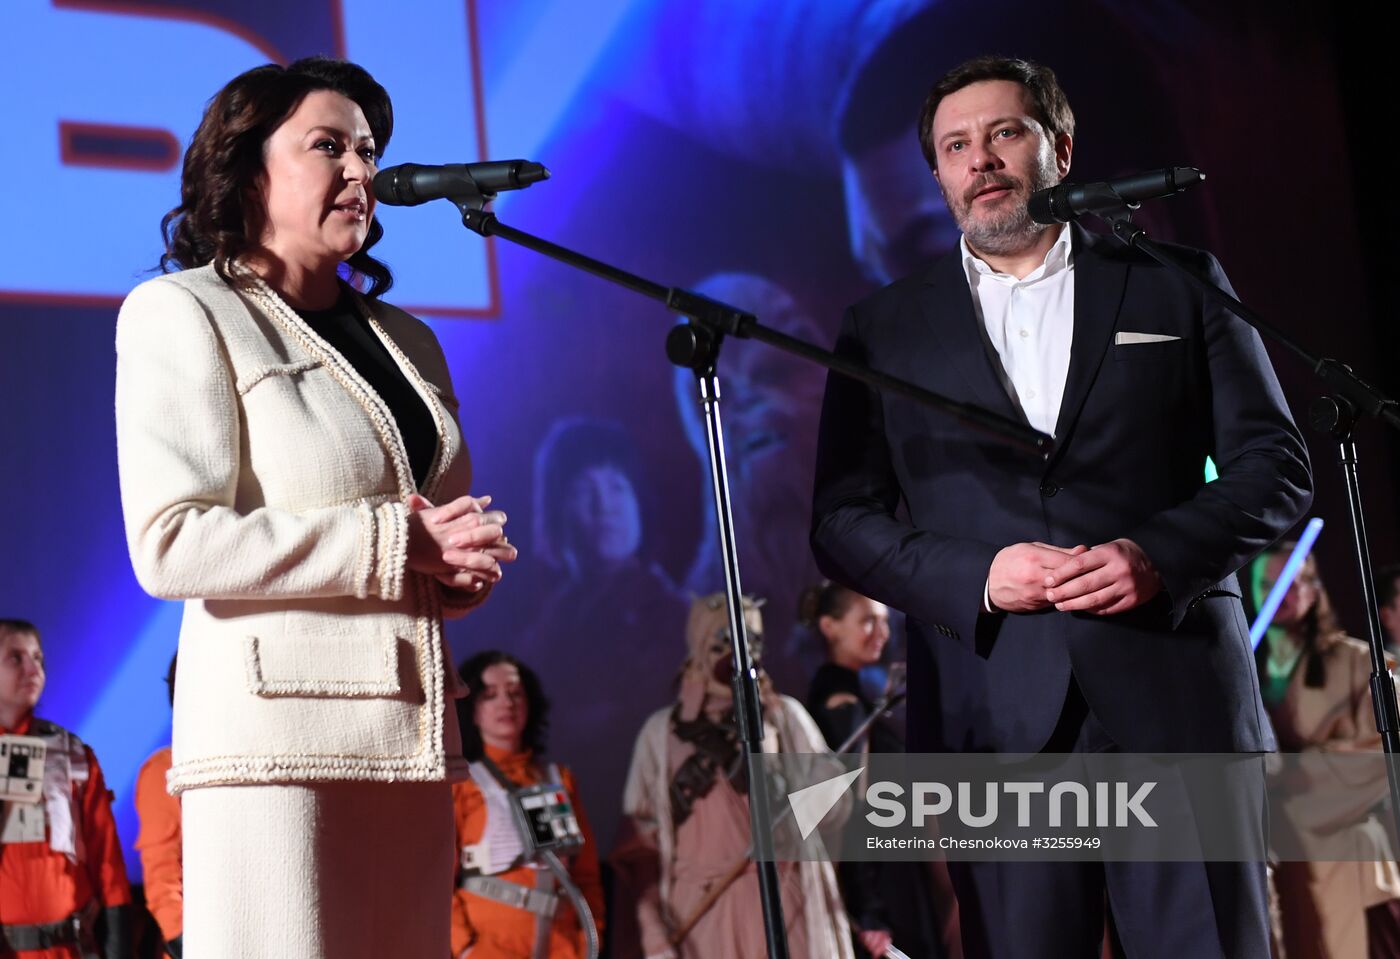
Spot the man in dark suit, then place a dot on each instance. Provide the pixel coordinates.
(1083, 603)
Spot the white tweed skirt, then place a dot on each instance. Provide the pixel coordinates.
(305, 871)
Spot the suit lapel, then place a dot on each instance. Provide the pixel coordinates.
(1098, 294)
(946, 300)
(437, 409)
(347, 376)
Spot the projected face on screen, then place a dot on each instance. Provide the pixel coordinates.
(897, 222)
(587, 497)
(604, 518)
(771, 402)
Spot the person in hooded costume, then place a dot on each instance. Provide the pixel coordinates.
(687, 802)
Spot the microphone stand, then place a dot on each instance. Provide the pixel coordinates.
(696, 345)
(1335, 414)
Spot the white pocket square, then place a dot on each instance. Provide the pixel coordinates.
(1123, 339)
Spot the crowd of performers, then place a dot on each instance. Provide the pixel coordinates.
(680, 881)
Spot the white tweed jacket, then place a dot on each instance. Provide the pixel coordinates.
(263, 482)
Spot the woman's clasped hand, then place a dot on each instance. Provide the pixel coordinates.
(461, 543)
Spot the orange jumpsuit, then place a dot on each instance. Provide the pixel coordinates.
(39, 885)
(159, 845)
(485, 929)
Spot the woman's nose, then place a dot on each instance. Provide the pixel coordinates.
(356, 169)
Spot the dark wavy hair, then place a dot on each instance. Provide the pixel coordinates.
(1048, 103)
(219, 208)
(536, 703)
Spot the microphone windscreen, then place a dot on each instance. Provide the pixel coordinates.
(391, 189)
(1040, 207)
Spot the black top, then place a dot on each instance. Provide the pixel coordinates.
(838, 722)
(894, 896)
(345, 329)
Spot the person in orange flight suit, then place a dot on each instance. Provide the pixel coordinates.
(61, 869)
(159, 842)
(503, 719)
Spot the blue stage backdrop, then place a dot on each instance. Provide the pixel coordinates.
(762, 152)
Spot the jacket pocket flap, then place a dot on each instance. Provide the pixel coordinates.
(253, 377)
(340, 666)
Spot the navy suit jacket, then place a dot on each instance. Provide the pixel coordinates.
(911, 507)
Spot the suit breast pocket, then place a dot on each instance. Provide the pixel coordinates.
(326, 657)
(1146, 382)
(1157, 351)
(309, 442)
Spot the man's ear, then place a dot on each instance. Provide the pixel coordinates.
(1064, 147)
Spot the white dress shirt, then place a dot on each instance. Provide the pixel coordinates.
(1030, 323)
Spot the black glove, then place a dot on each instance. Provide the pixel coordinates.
(116, 933)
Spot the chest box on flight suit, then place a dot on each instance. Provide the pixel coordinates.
(22, 768)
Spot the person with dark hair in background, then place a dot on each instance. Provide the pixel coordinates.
(1315, 681)
(281, 439)
(1388, 602)
(159, 840)
(1085, 602)
(63, 886)
(853, 631)
(887, 901)
(504, 906)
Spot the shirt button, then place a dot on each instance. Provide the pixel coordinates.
(1030, 394)
(1048, 489)
(1025, 333)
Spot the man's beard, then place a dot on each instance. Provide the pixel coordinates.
(1010, 229)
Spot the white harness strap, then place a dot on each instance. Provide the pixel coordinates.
(501, 846)
(65, 765)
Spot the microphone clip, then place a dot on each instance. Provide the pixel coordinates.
(1120, 220)
(472, 203)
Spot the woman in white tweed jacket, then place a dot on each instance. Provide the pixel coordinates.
(271, 486)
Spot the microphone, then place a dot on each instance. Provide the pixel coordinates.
(410, 184)
(1067, 201)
